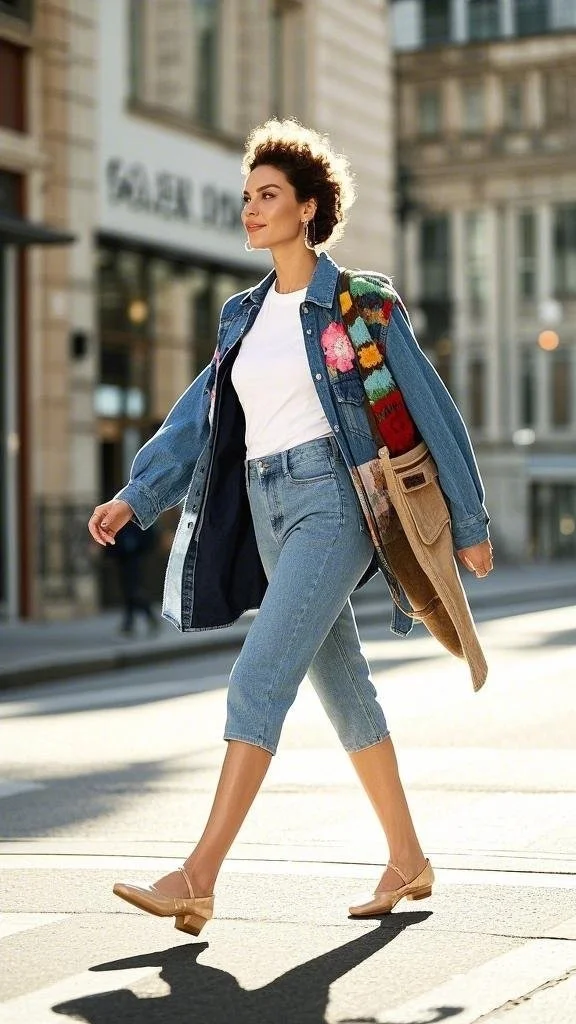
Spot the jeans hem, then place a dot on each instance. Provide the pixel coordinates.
(356, 750)
(251, 741)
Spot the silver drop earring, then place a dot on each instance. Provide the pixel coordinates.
(247, 246)
(310, 244)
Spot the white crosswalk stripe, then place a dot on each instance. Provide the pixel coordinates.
(12, 924)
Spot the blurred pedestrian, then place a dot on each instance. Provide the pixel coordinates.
(130, 553)
(266, 447)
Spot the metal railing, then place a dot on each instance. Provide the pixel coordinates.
(64, 552)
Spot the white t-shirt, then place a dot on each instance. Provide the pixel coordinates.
(271, 375)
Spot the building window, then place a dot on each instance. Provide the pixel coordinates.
(553, 520)
(513, 103)
(564, 14)
(527, 258)
(429, 111)
(175, 60)
(527, 387)
(12, 86)
(476, 263)
(157, 321)
(565, 250)
(560, 388)
(288, 40)
(483, 19)
(532, 16)
(473, 107)
(435, 257)
(206, 17)
(136, 48)
(21, 9)
(476, 393)
(11, 188)
(560, 97)
(436, 22)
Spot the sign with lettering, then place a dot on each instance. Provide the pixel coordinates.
(171, 196)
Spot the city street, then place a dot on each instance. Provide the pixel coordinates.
(111, 777)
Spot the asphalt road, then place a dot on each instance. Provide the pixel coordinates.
(112, 777)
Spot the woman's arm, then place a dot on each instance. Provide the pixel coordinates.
(162, 469)
(442, 428)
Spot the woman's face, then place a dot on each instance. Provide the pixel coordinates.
(271, 214)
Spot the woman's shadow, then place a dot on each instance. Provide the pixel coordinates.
(212, 996)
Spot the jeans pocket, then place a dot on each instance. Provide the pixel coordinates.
(310, 467)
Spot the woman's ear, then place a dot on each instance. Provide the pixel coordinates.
(310, 208)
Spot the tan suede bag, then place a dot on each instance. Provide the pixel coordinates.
(409, 522)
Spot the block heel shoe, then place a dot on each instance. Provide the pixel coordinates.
(383, 902)
(191, 914)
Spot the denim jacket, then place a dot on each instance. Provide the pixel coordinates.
(214, 572)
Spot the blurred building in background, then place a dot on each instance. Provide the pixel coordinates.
(129, 142)
(48, 202)
(486, 108)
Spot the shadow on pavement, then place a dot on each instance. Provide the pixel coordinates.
(213, 996)
(434, 1016)
(63, 803)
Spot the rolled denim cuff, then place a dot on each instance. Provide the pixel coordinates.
(142, 501)
(468, 532)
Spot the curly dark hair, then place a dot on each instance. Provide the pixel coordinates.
(311, 166)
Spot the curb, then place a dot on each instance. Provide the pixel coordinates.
(369, 611)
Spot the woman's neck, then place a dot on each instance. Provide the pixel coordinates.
(294, 271)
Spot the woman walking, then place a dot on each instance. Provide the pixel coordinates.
(262, 447)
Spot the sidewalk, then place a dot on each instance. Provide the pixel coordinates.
(33, 652)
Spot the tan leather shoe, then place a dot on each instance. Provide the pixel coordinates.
(191, 914)
(383, 902)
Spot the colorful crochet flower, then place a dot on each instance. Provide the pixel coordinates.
(379, 314)
(395, 425)
(369, 356)
(337, 348)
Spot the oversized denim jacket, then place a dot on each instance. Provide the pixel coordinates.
(214, 571)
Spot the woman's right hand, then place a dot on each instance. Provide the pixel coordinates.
(107, 519)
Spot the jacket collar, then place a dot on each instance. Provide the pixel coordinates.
(321, 290)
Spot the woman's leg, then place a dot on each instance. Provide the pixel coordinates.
(341, 677)
(314, 552)
(377, 770)
(241, 776)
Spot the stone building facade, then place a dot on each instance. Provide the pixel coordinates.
(487, 147)
(130, 150)
(47, 217)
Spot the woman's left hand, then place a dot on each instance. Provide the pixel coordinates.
(477, 559)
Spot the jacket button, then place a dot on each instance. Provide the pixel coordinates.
(336, 428)
(308, 331)
(318, 376)
(304, 309)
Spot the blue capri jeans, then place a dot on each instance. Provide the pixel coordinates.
(314, 548)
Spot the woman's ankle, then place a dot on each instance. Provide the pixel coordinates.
(202, 880)
(410, 863)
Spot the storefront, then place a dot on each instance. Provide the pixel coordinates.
(157, 323)
(170, 251)
(16, 527)
(553, 506)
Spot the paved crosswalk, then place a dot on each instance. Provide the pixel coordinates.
(470, 995)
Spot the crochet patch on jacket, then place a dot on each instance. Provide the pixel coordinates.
(366, 310)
